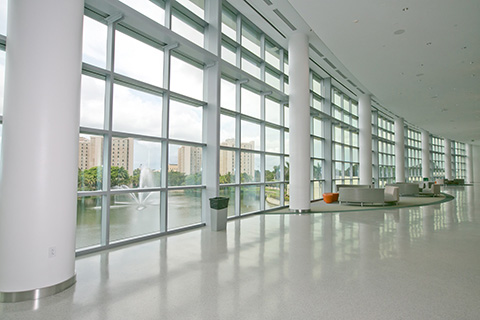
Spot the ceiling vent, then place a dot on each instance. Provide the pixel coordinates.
(263, 17)
(340, 73)
(268, 2)
(284, 19)
(361, 91)
(353, 84)
(316, 50)
(329, 63)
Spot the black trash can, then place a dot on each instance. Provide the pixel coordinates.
(218, 213)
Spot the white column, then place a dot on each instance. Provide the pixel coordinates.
(365, 138)
(211, 126)
(448, 159)
(38, 189)
(399, 150)
(299, 108)
(425, 154)
(469, 163)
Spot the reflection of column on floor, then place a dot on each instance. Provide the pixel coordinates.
(300, 251)
(369, 240)
(470, 204)
(213, 252)
(428, 221)
(451, 218)
(403, 232)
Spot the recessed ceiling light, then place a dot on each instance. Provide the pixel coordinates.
(356, 21)
(429, 43)
(464, 48)
(405, 9)
(398, 32)
(419, 74)
(435, 97)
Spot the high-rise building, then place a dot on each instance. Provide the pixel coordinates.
(90, 153)
(227, 158)
(189, 159)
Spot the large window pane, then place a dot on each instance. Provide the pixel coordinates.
(229, 24)
(185, 121)
(228, 54)
(184, 208)
(136, 111)
(89, 217)
(272, 54)
(144, 63)
(227, 130)
(249, 167)
(90, 162)
(94, 42)
(317, 169)
(227, 94)
(196, 6)
(229, 192)
(227, 166)
(186, 78)
(250, 103)
(251, 39)
(187, 29)
(272, 140)
(147, 8)
(272, 168)
(272, 196)
(272, 111)
(250, 66)
(249, 199)
(250, 135)
(185, 165)
(134, 214)
(135, 163)
(92, 103)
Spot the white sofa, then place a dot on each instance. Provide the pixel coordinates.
(338, 186)
(369, 195)
(406, 188)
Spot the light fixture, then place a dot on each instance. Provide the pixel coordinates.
(399, 31)
(405, 9)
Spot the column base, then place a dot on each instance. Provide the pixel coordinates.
(300, 210)
(37, 293)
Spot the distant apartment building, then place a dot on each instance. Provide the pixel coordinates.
(227, 158)
(173, 167)
(189, 159)
(90, 151)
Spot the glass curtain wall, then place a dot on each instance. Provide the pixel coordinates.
(254, 166)
(438, 157)
(459, 160)
(141, 126)
(345, 147)
(414, 155)
(317, 137)
(386, 150)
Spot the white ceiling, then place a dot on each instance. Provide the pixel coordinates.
(418, 59)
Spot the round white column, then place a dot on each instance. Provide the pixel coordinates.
(40, 148)
(425, 154)
(469, 163)
(299, 110)
(365, 138)
(448, 159)
(399, 150)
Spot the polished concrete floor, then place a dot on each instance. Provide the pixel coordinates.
(411, 263)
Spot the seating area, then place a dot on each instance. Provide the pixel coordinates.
(363, 193)
(406, 188)
(389, 194)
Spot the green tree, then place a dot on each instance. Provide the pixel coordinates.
(136, 178)
(90, 179)
(226, 178)
(176, 178)
(193, 179)
(119, 176)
